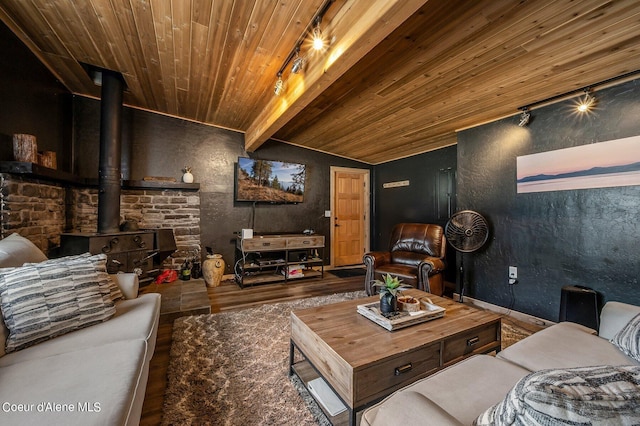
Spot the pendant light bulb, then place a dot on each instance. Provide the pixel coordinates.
(317, 39)
(586, 103)
(279, 85)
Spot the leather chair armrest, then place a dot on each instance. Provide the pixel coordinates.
(428, 266)
(373, 260)
(437, 265)
(377, 258)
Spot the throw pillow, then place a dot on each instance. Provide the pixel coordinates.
(49, 299)
(109, 287)
(4, 333)
(15, 250)
(628, 338)
(601, 395)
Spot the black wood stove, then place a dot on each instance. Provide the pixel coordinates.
(139, 251)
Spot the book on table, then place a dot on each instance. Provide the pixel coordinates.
(399, 320)
(323, 394)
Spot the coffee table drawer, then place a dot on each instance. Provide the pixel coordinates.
(467, 343)
(387, 375)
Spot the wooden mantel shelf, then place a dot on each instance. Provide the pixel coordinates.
(37, 171)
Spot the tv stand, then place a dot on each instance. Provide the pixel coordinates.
(273, 258)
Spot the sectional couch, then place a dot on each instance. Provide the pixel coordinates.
(93, 366)
(563, 374)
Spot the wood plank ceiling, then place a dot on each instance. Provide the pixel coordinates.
(399, 78)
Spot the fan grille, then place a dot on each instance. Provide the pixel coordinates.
(467, 231)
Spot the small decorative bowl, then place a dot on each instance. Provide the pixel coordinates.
(408, 304)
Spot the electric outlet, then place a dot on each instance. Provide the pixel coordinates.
(513, 275)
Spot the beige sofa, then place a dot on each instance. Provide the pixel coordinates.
(459, 394)
(95, 375)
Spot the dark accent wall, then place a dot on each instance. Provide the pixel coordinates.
(424, 200)
(157, 145)
(32, 101)
(585, 237)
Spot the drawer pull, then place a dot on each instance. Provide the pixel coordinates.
(473, 341)
(266, 244)
(404, 369)
(107, 248)
(306, 242)
(138, 240)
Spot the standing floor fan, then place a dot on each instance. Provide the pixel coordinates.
(466, 231)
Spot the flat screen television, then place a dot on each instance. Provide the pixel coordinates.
(268, 181)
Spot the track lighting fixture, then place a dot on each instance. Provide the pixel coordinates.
(584, 104)
(587, 102)
(279, 85)
(524, 117)
(298, 62)
(317, 44)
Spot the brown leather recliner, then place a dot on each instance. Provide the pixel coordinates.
(416, 256)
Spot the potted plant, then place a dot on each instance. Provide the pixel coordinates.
(390, 287)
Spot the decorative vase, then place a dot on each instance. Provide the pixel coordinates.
(187, 177)
(213, 270)
(388, 305)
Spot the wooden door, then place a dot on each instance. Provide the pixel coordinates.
(349, 218)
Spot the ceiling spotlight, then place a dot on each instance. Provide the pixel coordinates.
(524, 117)
(279, 85)
(587, 102)
(298, 64)
(316, 36)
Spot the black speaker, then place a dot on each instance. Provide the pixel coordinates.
(580, 305)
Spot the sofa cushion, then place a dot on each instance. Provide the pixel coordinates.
(564, 345)
(614, 316)
(463, 390)
(100, 384)
(45, 300)
(135, 319)
(601, 395)
(416, 410)
(628, 339)
(15, 250)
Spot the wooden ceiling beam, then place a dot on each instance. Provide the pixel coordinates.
(358, 29)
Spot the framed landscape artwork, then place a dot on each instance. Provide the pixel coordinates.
(597, 165)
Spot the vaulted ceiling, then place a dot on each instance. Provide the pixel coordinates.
(398, 78)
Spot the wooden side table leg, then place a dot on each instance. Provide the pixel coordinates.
(291, 350)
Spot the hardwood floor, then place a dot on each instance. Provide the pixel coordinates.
(230, 296)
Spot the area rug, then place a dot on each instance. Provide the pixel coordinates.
(232, 368)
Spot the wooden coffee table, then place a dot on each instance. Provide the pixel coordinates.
(363, 362)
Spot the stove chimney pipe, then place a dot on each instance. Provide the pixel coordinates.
(110, 152)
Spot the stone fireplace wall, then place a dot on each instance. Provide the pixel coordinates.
(175, 209)
(34, 209)
(41, 211)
